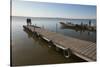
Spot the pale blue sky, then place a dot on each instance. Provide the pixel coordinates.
(39, 9)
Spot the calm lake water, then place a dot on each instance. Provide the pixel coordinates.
(28, 50)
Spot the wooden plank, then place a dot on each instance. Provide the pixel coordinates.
(94, 57)
(86, 46)
(92, 49)
(92, 54)
(89, 49)
(83, 49)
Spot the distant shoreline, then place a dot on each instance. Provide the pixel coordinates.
(52, 18)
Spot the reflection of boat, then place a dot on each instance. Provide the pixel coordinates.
(77, 26)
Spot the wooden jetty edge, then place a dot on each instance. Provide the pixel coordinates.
(83, 49)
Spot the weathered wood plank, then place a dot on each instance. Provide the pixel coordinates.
(89, 49)
(83, 49)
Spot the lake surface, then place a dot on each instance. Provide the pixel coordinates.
(28, 50)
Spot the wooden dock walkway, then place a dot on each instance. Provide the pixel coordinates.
(83, 49)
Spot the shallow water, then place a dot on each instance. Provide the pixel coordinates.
(28, 50)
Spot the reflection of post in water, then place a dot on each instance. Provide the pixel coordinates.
(88, 33)
(56, 28)
(81, 32)
(39, 41)
(29, 34)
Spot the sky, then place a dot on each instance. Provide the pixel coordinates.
(42, 9)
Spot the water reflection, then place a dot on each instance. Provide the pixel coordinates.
(49, 54)
(50, 24)
(75, 29)
(78, 30)
(36, 39)
(30, 50)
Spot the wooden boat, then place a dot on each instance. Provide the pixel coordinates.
(77, 26)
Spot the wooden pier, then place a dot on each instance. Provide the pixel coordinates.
(78, 27)
(83, 49)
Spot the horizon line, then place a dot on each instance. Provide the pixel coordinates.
(52, 17)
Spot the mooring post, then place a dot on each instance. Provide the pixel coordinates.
(89, 23)
(81, 24)
(28, 21)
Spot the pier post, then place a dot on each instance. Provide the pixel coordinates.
(81, 24)
(89, 22)
(28, 22)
